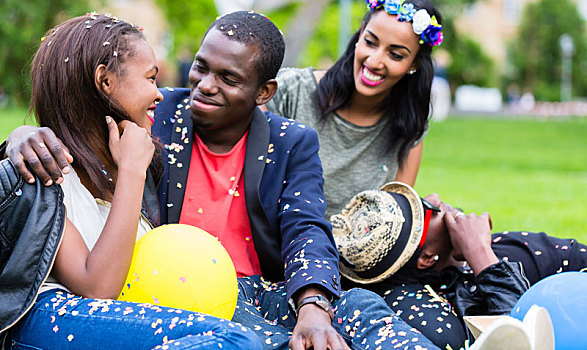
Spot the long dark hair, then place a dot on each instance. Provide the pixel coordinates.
(65, 96)
(407, 105)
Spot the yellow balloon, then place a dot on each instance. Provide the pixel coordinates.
(183, 267)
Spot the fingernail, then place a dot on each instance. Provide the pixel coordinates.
(59, 180)
(31, 180)
(108, 119)
(65, 170)
(49, 183)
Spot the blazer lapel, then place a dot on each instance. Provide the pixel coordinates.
(267, 247)
(180, 154)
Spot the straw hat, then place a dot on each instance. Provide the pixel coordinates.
(378, 232)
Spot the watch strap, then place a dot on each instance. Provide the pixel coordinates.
(320, 301)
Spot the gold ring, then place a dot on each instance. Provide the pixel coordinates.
(459, 214)
(42, 145)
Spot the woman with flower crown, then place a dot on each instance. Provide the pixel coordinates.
(371, 107)
(371, 110)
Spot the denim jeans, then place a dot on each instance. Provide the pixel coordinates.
(60, 320)
(362, 318)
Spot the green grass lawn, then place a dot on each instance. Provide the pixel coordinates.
(11, 118)
(528, 174)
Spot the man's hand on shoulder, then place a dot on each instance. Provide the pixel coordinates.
(42, 150)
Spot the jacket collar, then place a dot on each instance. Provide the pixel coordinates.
(268, 249)
(181, 136)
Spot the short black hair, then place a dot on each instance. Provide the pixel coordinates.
(254, 29)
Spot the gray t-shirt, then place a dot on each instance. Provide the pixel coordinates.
(354, 157)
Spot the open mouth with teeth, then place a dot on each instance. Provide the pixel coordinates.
(151, 115)
(370, 78)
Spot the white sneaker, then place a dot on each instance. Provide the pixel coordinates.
(508, 333)
(539, 328)
(534, 333)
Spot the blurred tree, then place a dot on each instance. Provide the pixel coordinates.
(536, 54)
(469, 63)
(22, 24)
(188, 20)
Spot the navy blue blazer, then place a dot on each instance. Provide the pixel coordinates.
(283, 192)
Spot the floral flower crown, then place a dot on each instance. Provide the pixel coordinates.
(423, 25)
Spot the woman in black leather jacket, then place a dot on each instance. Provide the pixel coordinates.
(32, 218)
(93, 82)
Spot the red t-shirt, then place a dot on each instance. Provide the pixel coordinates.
(215, 202)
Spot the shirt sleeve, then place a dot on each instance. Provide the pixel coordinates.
(501, 285)
(293, 86)
(308, 248)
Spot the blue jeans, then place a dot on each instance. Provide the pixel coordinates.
(362, 318)
(60, 320)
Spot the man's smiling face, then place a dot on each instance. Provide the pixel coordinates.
(224, 83)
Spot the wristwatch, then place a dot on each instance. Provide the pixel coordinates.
(319, 300)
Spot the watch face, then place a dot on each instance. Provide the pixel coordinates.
(319, 300)
(324, 304)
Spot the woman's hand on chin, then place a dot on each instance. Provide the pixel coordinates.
(130, 145)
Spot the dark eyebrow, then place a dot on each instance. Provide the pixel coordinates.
(200, 59)
(392, 45)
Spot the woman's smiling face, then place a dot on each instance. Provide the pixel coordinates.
(135, 89)
(384, 53)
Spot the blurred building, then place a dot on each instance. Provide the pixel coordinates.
(496, 22)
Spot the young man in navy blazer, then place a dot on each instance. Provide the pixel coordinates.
(254, 180)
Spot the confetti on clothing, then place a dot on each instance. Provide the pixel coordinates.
(426, 307)
(540, 254)
(361, 317)
(61, 320)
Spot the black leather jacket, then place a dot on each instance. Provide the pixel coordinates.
(494, 291)
(32, 218)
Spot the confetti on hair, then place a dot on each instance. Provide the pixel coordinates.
(230, 32)
(106, 43)
(66, 59)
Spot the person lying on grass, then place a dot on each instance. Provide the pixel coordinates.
(434, 264)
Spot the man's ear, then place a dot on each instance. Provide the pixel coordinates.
(266, 91)
(103, 79)
(426, 260)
